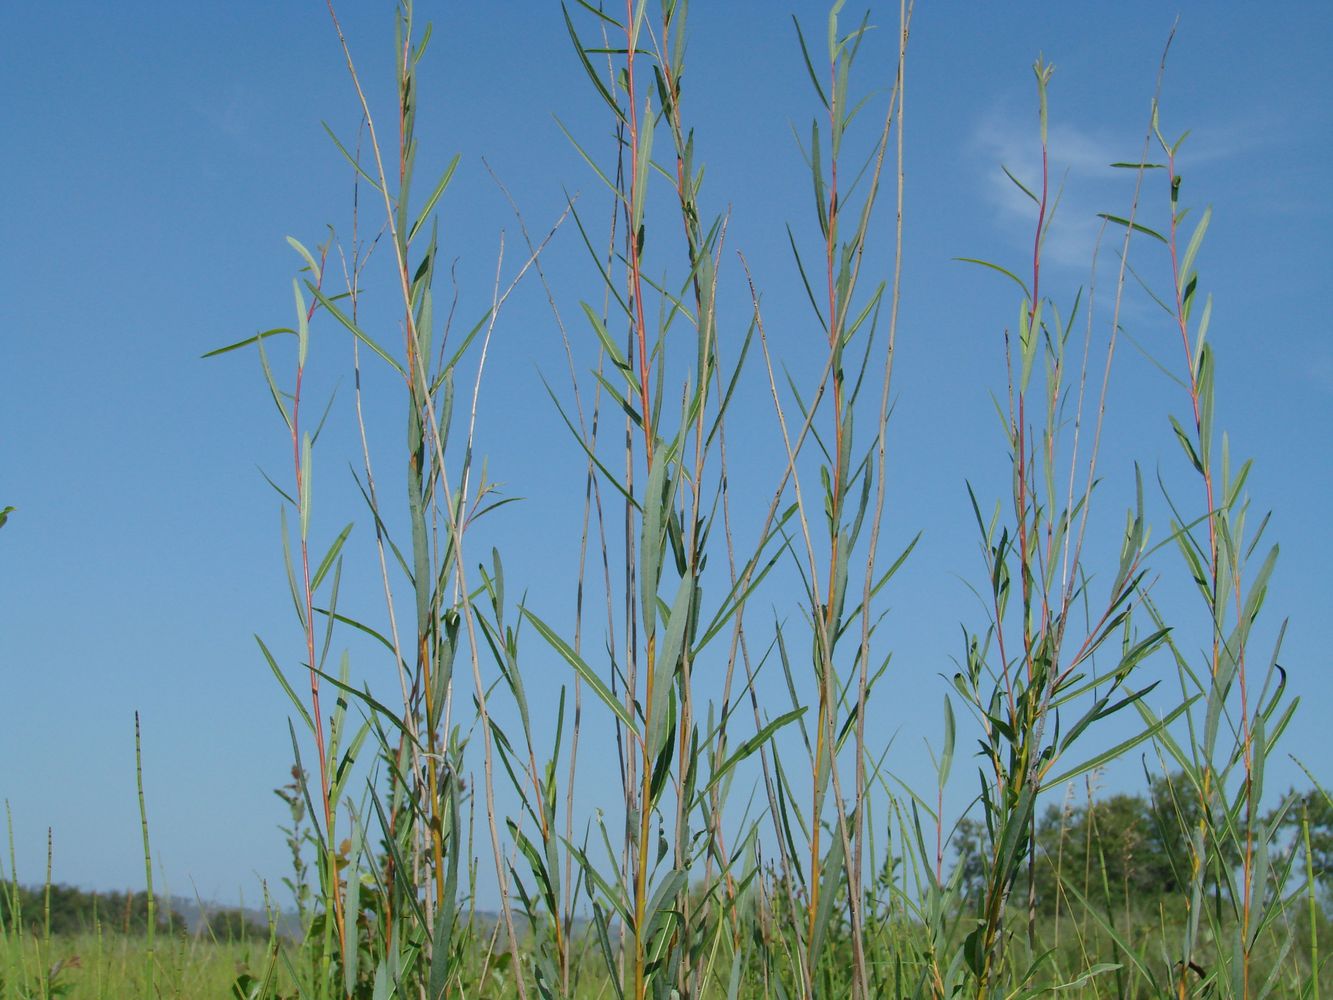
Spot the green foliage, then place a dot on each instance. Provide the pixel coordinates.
(232, 925)
(1132, 847)
(1310, 808)
(76, 911)
(821, 878)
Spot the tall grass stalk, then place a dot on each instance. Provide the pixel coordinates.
(150, 952)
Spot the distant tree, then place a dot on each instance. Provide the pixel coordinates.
(1113, 848)
(231, 925)
(1314, 807)
(969, 843)
(1128, 847)
(74, 911)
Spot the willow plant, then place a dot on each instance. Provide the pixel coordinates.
(1037, 661)
(1233, 723)
(852, 481)
(402, 902)
(673, 762)
(667, 930)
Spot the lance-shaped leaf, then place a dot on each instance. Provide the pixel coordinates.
(599, 688)
(650, 545)
(664, 667)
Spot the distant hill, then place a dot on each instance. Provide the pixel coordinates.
(223, 918)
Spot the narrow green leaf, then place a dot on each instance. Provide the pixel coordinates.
(1206, 398)
(613, 893)
(434, 197)
(645, 156)
(352, 909)
(588, 66)
(608, 342)
(603, 16)
(1186, 444)
(1133, 225)
(247, 342)
(306, 255)
(817, 179)
(809, 64)
(664, 669)
(636, 24)
(946, 753)
(751, 746)
(282, 681)
(588, 451)
(996, 267)
(1196, 241)
(1201, 334)
(1120, 748)
(380, 709)
(352, 328)
(351, 159)
(620, 195)
(662, 905)
(273, 389)
(1020, 185)
(295, 590)
(650, 544)
(828, 894)
(330, 556)
(586, 672)
(833, 45)
(302, 325)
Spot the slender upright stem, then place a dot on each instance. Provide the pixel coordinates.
(150, 932)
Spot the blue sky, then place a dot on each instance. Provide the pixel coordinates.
(159, 154)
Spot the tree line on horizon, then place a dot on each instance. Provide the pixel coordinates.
(1132, 847)
(1129, 846)
(68, 911)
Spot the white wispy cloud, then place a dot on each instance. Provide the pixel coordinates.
(1080, 173)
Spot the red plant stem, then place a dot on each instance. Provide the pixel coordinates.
(636, 293)
(310, 631)
(1026, 576)
(634, 265)
(829, 625)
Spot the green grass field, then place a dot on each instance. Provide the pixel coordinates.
(108, 967)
